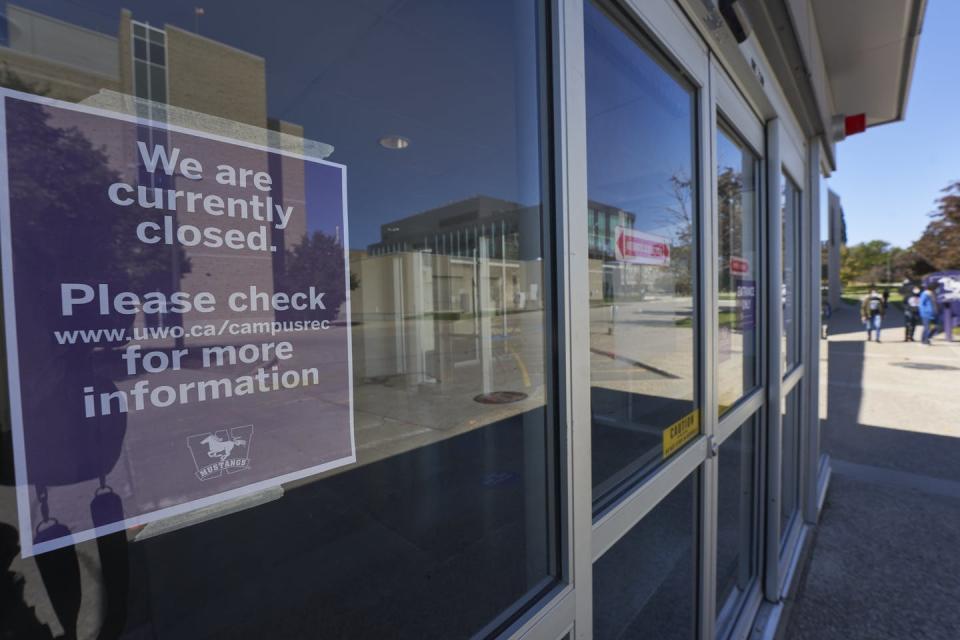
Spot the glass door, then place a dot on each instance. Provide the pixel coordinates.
(738, 324)
(643, 333)
(790, 340)
(646, 165)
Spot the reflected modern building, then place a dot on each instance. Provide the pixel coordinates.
(489, 227)
(575, 349)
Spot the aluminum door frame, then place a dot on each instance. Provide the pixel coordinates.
(569, 610)
(738, 114)
(663, 22)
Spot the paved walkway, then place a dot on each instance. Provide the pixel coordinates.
(886, 559)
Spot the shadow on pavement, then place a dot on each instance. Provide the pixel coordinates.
(886, 556)
(846, 437)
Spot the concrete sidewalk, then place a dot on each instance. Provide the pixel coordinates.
(886, 559)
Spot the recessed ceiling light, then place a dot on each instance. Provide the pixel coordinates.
(394, 142)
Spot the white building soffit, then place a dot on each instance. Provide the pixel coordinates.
(869, 50)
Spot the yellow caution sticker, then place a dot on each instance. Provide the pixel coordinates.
(680, 433)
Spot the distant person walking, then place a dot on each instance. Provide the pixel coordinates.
(928, 312)
(886, 297)
(911, 315)
(871, 313)
(826, 311)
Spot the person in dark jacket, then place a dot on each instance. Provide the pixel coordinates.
(871, 313)
(911, 314)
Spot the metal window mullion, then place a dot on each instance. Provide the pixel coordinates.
(792, 379)
(571, 150)
(709, 282)
(553, 621)
(795, 382)
(799, 387)
(774, 426)
(565, 283)
(628, 512)
(742, 626)
(811, 429)
(738, 415)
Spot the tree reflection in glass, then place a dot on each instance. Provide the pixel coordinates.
(737, 335)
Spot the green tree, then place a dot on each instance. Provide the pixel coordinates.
(912, 265)
(681, 218)
(318, 262)
(873, 261)
(730, 211)
(59, 220)
(939, 246)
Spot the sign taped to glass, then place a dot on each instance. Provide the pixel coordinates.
(739, 266)
(638, 247)
(746, 304)
(177, 317)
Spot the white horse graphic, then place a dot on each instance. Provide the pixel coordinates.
(221, 448)
(951, 288)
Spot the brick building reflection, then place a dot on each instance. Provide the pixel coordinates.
(169, 76)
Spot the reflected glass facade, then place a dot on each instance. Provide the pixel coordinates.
(738, 332)
(645, 585)
(448, 317)
(642, 284)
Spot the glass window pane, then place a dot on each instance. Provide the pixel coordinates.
(447, 518)
(157, 54)
(139, 30)
(139, 49)
(642, 325)
(156, 35)
(141, 82)
(739, 268)
(645, 585)
(158, 83)
(737, 521)
(790, 289)
(790, 464)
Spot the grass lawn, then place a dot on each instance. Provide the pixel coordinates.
(727, 319)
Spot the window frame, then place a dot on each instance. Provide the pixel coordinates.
(763, 118)
(666, 26)
(725, 126)
(150, 66)
(734, 612)
(794, 369)
(734, 114)
(686, 61)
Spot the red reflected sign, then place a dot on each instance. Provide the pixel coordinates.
(739, 266)
(641, 248)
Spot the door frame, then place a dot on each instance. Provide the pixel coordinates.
(761, 116)
(738, 114)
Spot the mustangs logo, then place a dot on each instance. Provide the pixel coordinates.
(226, 450)
(951, 287)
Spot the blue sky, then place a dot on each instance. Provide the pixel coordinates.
(889, 177)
